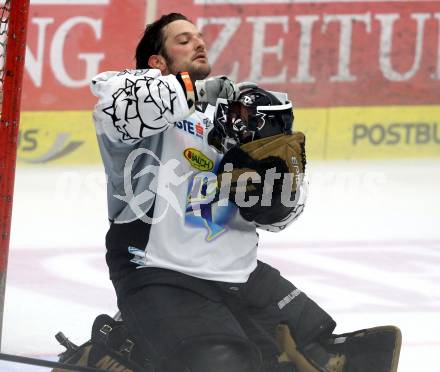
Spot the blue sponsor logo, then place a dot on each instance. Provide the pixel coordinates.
(195, 129)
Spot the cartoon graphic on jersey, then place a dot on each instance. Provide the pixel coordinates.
(125, 108)
(139, 72)
(203, 210)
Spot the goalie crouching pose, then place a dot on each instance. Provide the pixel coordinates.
(182, 253)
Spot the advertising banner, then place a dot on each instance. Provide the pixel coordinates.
(363, 75)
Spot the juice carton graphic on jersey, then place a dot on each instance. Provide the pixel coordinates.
(204, 210)
(201, 211)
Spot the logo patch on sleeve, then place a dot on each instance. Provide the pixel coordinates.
(198, 160)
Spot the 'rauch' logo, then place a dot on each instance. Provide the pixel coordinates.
(198, 160)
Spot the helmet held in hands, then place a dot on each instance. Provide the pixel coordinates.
(256, 114)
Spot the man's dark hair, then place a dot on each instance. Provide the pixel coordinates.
(152, 42)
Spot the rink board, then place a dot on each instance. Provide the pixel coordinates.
(364, 79)
(61, 137)
(322, 53)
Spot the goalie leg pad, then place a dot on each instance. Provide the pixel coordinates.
(374, 349)
(219, 353)
(110, 348)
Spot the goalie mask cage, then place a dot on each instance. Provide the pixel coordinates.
(13, 24)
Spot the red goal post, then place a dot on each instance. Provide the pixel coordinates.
(13, 25)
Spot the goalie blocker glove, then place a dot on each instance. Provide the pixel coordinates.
(264, 161)
(209, 90)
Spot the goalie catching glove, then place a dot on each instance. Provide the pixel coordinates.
(264, 161)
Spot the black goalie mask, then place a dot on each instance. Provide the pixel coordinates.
(257, 114)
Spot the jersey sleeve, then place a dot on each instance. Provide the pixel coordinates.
(134, 104)
(297, 210)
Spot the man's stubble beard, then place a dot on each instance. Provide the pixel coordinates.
(195, 72)
(199, 72)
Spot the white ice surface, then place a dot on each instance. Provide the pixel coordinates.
(367, 249)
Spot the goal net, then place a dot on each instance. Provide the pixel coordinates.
(13, 24)
(5, 10)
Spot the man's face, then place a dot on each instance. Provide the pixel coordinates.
(185, 50)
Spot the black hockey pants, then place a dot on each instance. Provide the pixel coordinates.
(166, 307)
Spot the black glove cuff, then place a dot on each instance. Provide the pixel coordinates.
(262, 214)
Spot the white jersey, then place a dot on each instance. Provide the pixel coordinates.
(161, 169)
